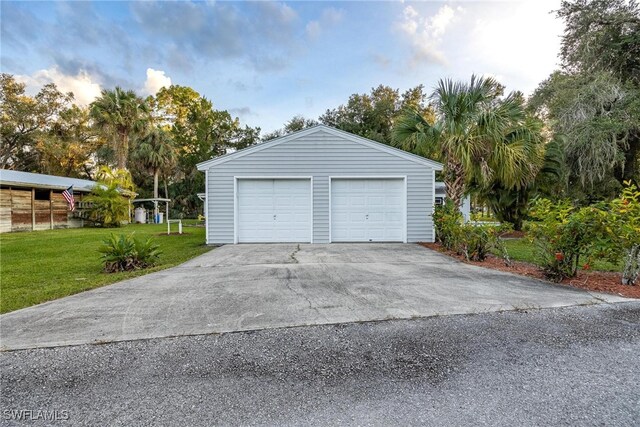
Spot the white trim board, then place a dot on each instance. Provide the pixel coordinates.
(206, 207)
(320, 128)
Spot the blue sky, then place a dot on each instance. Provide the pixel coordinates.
(268, 61)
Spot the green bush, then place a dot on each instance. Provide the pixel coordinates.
(564, 235)
(124, 253)
(109, 208)
(567, 237)
(447, 219)
(626, 217)
(475, 242)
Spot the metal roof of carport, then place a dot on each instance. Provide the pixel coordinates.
(27, 179)
(340, 133)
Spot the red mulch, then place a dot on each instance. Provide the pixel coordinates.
(597, 281)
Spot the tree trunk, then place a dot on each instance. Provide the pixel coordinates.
(631, 158)
(156, 175)
(123, 151)
(166, 188)
(454, 181)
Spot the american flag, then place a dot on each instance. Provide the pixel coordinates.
(68, 196)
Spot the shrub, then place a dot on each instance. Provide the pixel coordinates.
(108, 208)
(626, 219)
(124, 253)
(475, 242)
(566, 237)
(447, 219)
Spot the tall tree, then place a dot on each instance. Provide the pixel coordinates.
(172, 104)
(373, 115)
(68, 146)
(199, 132)
(22, 118)
(296, 124)
(121, 115)
(479, 136)
(601, 35)
(512, 204)
(594, 102)
(155, 153)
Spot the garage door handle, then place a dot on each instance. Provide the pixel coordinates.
(274, 217)
(366, 217)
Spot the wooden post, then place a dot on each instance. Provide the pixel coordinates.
(33, 209)
(51, 207)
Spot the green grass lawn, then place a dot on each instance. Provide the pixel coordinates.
(44, 265)
(522, 250)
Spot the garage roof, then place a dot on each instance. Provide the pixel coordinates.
(318, 128)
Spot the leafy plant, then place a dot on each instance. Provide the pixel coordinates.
(480, 136)
(124, 253)
(567, 237)
(562, 235)
(625, 211)
(447, 219)
(475, 242)
(109, 208)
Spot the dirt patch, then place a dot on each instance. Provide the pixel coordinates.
(597, 281)
(513, 235)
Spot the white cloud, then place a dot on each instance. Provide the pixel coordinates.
(332, 15)
(329, 17)
(425, 32)
(156, 80)
(313, 29)
(85, 88)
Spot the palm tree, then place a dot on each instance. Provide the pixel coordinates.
(121, 178)
(120, 115)
(156, 153)
(479, 136)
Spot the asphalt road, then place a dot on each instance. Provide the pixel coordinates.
(565, 366)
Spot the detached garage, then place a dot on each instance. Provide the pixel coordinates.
(319, 185)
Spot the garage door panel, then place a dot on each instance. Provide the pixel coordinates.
(376, 217)
(340, 200)
(274, 210)
(393, 217)
(340, 217)
(300, 201)
(364, 210)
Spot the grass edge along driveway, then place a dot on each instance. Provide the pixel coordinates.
(41, 266)
(520, 249)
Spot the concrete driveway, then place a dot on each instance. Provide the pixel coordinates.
(248, 287)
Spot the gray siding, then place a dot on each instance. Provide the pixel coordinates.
(320, 155)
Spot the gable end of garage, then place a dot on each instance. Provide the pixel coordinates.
(321, 128)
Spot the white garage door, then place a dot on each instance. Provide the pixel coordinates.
(367, 210)
(274, 210)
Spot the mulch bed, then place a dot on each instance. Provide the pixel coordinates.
(597, 281)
